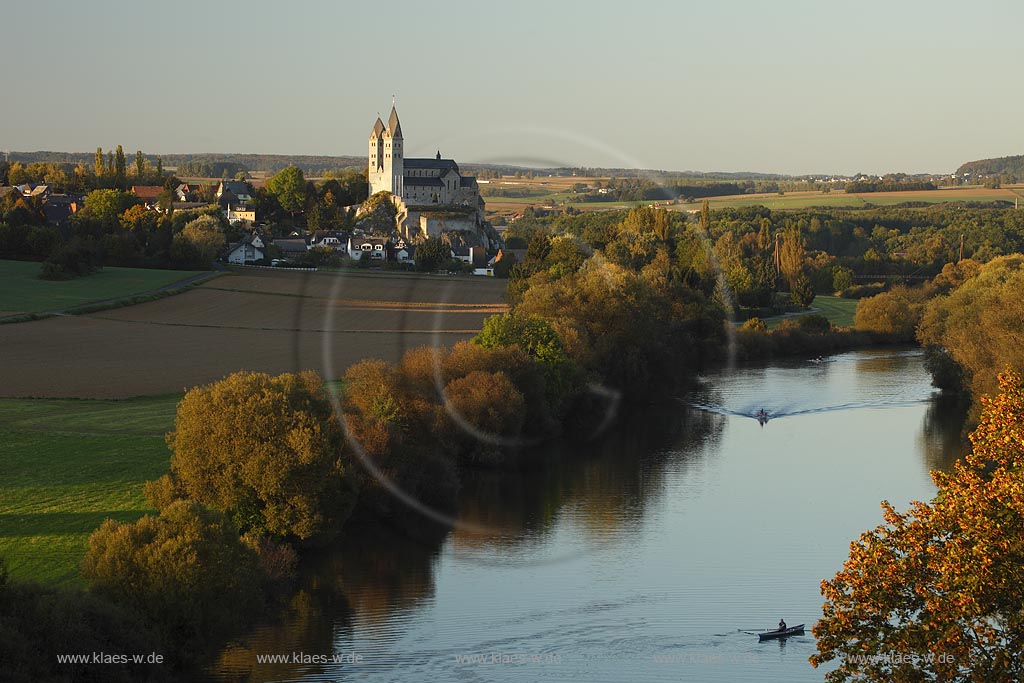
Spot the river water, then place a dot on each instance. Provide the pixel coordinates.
(645, 557)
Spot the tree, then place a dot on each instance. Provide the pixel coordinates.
(266, 451)
(98, 167)
(204, 236)
(106, 206)
(896, 312)
(433, 253)
(288, 186)
(538, 339)
(980, 324)
(842, 278)
(140, 164)
(802, 292)
(159, 167)
(940, 585)
(120, 174)
(791, 255)
(186, 568)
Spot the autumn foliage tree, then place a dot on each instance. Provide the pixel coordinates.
(941, 585)
(186, 569)
(266, 451)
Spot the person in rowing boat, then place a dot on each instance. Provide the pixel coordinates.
(782, 625)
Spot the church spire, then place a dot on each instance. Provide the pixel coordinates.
(394, 127)
(378, 128)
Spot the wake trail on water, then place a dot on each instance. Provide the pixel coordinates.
(777, 411)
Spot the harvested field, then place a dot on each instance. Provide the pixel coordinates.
(272, 322)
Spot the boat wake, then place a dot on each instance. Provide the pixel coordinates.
(778, 411)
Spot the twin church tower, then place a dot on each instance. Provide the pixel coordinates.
(417, 182)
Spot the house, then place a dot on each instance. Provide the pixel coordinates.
(292, 247)
(58, 209)
(249, 250)
(402, 251)
(241, 214)
(330, 239)
(473, 255)
(233, 192)
(375, 246)
(149, 194)
(38, 190)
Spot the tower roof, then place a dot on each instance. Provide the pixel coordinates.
(394, 127)
(378, 128)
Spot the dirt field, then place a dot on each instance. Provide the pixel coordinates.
(268, 321)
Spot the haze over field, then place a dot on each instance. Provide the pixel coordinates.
(790, 87)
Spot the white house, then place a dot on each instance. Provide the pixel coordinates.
(249, 250)
(376, 246)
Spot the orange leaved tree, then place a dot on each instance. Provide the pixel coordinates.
(937, 593)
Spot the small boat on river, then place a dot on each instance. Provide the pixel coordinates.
(797, 630)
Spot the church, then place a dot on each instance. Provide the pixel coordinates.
(431, 196)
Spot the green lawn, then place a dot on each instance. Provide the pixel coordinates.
(839, 311)
(67, 466)
(23, 292)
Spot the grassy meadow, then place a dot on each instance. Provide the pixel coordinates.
(21, 290)
(839, 311)
(68, 465)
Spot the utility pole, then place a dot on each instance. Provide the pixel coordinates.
(961, 248)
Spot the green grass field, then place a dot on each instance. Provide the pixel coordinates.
(839, 311)
(23, 292)
(67, 466)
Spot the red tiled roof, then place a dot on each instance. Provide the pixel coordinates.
(147, 191)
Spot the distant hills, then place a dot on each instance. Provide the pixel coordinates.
(212, 164)
(1000, 166)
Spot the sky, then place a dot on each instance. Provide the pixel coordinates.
(781, 86)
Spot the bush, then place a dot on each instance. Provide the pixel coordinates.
(76, 258)
(755, 325)
(896, 312)
(861, 291)
(266, 451)
(37, 624)
(485, 411)
(812, 323)
(186, 569)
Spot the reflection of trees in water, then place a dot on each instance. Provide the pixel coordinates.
(364, 579)
(884, 362)
(942, 439)
(305, 624)
(607, 483)
(369, 576)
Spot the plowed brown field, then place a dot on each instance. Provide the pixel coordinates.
(268, 321)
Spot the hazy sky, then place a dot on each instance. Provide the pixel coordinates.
(775, 86)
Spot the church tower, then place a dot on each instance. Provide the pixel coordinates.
(375, 167)
(394, 164)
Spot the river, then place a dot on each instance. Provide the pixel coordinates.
(645, 557)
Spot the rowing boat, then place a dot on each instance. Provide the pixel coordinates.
(797, 630)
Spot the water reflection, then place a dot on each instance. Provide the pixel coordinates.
(604, 485)
(943, 438)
